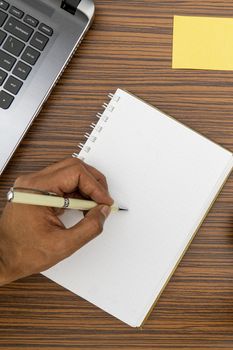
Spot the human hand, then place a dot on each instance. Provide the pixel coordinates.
(33, 238)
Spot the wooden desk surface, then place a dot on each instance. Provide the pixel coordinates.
(129, 46)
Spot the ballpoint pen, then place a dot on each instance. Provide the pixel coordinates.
(49, 199)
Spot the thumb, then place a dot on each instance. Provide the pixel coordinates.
(88, 228)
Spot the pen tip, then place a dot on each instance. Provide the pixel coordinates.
(122, 208)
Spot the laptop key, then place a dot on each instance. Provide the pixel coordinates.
(16, 12)
(30, 55)
(39, 41)
(5, 100)
(4, 5)
(13, 46)
(6, 61)
(22, 70)
(3, 76)
(45, 29)
(2, 36)
(31, 21)
(13, 85)
(3, 17)
(18, 29)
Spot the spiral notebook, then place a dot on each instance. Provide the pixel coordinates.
(168, 176)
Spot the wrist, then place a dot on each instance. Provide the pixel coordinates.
(5, 276)
(2, 275)
(2, 267)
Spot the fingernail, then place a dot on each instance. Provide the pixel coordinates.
(106, 211)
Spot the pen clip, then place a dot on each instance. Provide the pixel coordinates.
(10, 194)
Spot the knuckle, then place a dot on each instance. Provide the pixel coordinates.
(103, 178)
(23, 181)
(69, 164)
(75, 161)
(76, 168)
(71, 161)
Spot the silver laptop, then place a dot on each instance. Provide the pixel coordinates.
(37, 40)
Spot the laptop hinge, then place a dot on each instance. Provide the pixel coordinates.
(70, 5)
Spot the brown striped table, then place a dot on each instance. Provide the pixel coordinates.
(129, 46)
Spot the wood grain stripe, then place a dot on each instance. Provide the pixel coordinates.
(130, 46)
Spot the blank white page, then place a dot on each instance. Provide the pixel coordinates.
(168, 176)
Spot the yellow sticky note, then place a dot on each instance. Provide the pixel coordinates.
(203, 43)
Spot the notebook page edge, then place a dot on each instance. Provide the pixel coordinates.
(225, 176)
(176, 120)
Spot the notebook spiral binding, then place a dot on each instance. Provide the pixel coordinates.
(97, 127)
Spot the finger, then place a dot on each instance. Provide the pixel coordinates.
(73, 161)
(98, 175)
(70, 175)
(89, 186)
(34, 180)
(87, 229)
(78, 177)
(59, 165)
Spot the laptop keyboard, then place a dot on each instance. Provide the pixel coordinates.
(22, 40)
